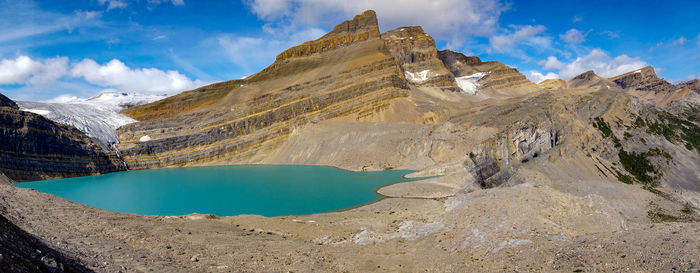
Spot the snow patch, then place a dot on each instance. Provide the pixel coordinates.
(469, 84)
(145, 138)
(38, 111)
(418, 77)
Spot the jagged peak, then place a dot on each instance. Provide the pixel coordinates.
(365, 22)
(362, 27)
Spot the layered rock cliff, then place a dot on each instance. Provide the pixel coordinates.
(497, 76)
(644, 79)
(417, 54)
(241, 121)
(33, 148)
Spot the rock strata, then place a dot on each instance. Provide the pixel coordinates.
(498, 75)
(417, 54)
(644, 79)
(33, 148)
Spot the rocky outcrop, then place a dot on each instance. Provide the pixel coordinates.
(692, 85)
(241, 121)
(417, 54)
(644, 79)
(33, 148)
(360, 28)
(589, 79)
(5, 180)
(498, 76)
(6, 102)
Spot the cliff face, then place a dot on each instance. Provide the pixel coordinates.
(644, 79)
(241, 121)
(33, 148)
(361, 28)
(417, 54)
(497, 75)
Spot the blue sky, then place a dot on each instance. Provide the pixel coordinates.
(80, 48)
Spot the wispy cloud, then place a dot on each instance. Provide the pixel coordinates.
(573, 36)
(596, 60)
(450, 20)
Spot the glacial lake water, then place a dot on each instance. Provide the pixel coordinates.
(269, 190)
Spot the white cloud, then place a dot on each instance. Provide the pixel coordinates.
(25, 70)
(551, 63)
(451, 20)
(538, 77)
(174, 2)
(577, 19)
(610, 34)
(522, 34)
(603, 65)
(148, 80)
(573, 36)
(679, 41)
(113, 4)
(65, 98)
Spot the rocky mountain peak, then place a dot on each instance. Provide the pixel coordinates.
(416, 53)
(644, 79)
(361, 23)
(362, 27)
(693, 85)
(455, 60)
(7, 102)
(410, 44)
(590, 74)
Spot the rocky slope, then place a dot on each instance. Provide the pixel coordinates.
(496, 76)
(35, 148)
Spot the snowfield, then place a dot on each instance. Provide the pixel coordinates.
(97, 117)
(470, 84)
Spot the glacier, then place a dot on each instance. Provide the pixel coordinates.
(470, 84)
(98, 117)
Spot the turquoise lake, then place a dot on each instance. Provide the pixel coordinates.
(269, 190)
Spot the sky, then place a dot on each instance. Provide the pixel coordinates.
(61, 50)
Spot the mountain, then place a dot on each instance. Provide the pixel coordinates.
(97, 117)
(589, 79)
(248, 120)
(491, 76)
(592, 174)
(35, 148)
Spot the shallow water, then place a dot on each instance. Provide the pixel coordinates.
(269, 190)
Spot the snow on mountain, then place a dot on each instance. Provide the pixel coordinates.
(418, 77)
(470, 84)
(97, 117)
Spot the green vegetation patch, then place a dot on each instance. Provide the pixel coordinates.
(676, 130)
(603, 126)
